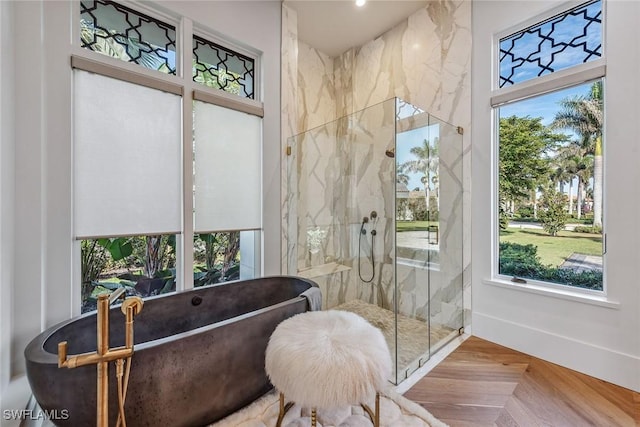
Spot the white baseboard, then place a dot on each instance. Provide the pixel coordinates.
(599, 362)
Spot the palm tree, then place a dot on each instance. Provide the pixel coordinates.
(584, 116)
(585, 173)
(425, 163)
(402, 178)
(567, 163)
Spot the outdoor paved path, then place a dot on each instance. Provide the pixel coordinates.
(537, 226)
(416, 239)
(582, 262)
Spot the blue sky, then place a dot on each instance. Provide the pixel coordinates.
(544, 106)
(557, 44)
(406, 140)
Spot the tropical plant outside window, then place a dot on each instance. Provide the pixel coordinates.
(216, 257)
(146, 265)
(143, 265)
(550, 156)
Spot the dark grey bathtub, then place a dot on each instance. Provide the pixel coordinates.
(199, 355)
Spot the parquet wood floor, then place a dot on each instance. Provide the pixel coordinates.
(485, 384)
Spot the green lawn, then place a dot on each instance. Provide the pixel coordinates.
(554, 250)
(414, 225)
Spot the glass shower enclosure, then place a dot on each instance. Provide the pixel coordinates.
(375, 218)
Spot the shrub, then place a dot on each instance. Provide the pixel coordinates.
(418, 208)
(552, 215)
(524, 212)
(592, 229)
(523, 261)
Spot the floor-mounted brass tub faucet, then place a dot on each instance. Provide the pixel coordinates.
(130, 307)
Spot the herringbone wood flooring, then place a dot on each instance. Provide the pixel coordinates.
(485, 384)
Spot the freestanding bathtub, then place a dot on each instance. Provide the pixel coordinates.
(199, 355)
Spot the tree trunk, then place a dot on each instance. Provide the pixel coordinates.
(231, 251)
(579, 201)
(427, 193)
(152, 258)
(210, 249)
(570, 196)
(535, 204)
(597, 184)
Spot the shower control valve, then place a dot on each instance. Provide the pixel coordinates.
(364, 221)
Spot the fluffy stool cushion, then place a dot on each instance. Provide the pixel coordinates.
(325, 359)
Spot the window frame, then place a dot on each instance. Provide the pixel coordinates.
(565, 78)
(113, 67)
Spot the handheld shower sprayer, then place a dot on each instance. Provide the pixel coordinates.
(374, 219)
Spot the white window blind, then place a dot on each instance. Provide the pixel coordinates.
(127, 158)
(227, 169)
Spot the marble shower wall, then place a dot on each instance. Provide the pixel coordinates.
(316, 88)
(288, 128)
(341, 175)
(424, 60)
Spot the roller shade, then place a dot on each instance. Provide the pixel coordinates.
(227, 178)
(127, 158)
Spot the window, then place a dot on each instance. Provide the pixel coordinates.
(565, 40)
(119, 32)
(220, 68)
(550, 147)
(130, 168)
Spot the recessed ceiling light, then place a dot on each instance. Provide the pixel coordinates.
(360, 3)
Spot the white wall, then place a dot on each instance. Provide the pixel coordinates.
(6, 188)
(602, 341)
(36, 288)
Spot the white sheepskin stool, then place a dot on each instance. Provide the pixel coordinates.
(328, 359)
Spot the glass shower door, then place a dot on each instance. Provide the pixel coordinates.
(428, 235)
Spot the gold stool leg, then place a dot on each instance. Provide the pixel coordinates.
(313, 417)
(283, 410)
(376, 423)
(373, 416)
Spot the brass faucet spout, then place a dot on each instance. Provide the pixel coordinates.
(116, 294)
(93, 358)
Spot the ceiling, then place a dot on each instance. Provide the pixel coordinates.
(335, 26)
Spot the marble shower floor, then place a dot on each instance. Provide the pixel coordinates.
(413, 334)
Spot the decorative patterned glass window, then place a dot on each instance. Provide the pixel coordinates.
(217, 67)
(550, 152)
(571, 38)
(114, 30)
